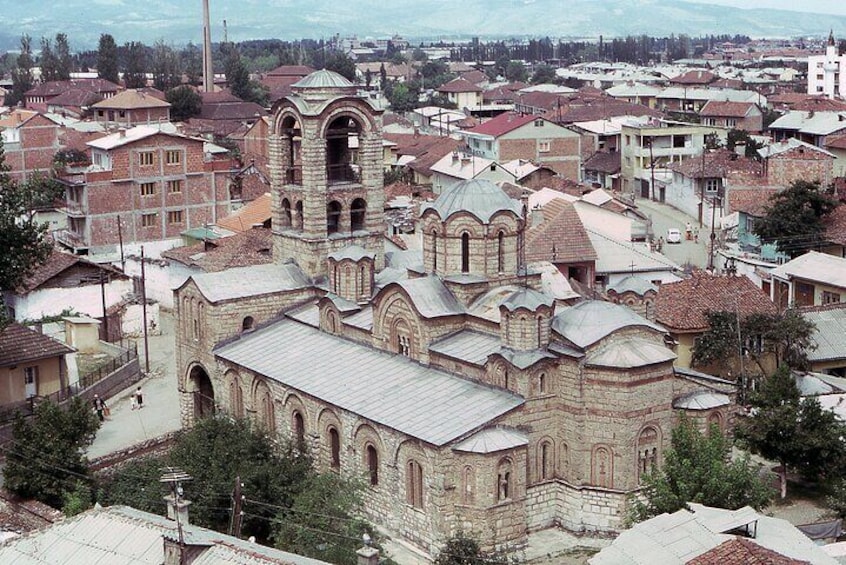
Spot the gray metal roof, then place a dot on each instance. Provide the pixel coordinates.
(323, 79)
(467, 345)
(527, 298)
(384, 388)
(829, 335)
(243, 282)
(701, 400)
(524, 359)
(119, 535)
(491, 440)
(630, 352)
(587, 322)
(307, 314)
(815, 384)
(633, 283)
(487, 305)
(482, 198)
(431, 297)
(352, 252)
(342, 304)
(362, 319)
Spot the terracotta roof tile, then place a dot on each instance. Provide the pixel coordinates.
(752, 201)
(683, 305)
(424, 162)
(132, 100)
(604, 162)
(246, 217)
(459, 85)
(694, 77)
(721, 163)
(245, 249)
(726, 109)
(55, 264)
(503, 123)
(739, 551)
(835, 225)
(19, 344)
(562, 231)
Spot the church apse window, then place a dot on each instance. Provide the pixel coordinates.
(298, 216)
(647, 451)
(372, 460)
(546, 459)
(500, 252)
(358, 211)
(465, 252)
(299, 429)
(602, 468)
(334, 448)
(434, 250)
(333, 217)
(468, 485)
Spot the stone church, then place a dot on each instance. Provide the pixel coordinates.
(465, 397)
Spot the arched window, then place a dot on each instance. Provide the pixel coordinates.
(500, 252)
(503, 481)
(334, 448)
(402, 337)
(465, 252)
(434, 250)
(286, 213)
(298, 218)
(299, 429)
(542, 384)
(372, 459)
(362, 281)
(414, 484)
(647, 451)
(540, 332)
(715, 419)
(602, 468)
(236, 398)
(358, 212)
(468, 485)
(333, 217)
(546, 461)
(247, 323)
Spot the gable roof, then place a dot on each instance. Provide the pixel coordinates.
(726, 109)
(683, 305)
(814, 266)
(717, 164)
(459, 85)
(251, 281)
(245, 249)
(560, 237)
(777, 148)
(503, 123)
(694, 77)
(131, 100)
(137, 133)
(608, 162)
(246, 217)
(56, 263)
(740, 551)
(751, 201)
(19, 344)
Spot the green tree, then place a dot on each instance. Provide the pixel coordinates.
(797, 433)
(107, 59)
(338, 62)
(794, 217)
(516, 71)
(383, 77)
(46, 458)
(135, 71)
(403, 97)
(185, 102)
(167, 72)
(698, 468)
(47, 61)
(544, 74)
(64, 64)
(737, 137)
(22, 79)
(192, 62)
(462, 549)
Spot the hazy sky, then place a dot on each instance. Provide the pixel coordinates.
(819, 6)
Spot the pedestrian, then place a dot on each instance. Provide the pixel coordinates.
(133, 402)
(139, 398)
(99, 407)
(688, 231)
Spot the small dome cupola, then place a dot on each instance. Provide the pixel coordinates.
(352, 273)
(524, 320)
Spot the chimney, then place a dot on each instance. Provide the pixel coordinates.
(208, 70)
(367, 555)
(454, 157)
(177, 509)
(537, 216)
(122, 132)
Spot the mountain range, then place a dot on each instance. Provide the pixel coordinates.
(179, 21)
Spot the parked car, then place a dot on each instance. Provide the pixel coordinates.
(674, 235)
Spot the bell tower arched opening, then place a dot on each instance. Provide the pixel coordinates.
(342, 144)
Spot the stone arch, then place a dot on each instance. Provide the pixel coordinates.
(332, 322)
(468, 485)
(348, 107)
(263, 406)
(543, 384)
(334, 209)
(372, 451)
(199, 384)
(297, 426)
(465, 252)
(358, 214)
(247, 323)
(545, 459)
(602, 466)
(236, 393)
(287, 220)
(715, 418)
(500, 251)
(327, 421)
(648, 449)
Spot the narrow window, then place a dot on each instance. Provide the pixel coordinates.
(145, 158)
(299, 429)
(174, 217)
(465, 252)
(373, 464)
(148, 188)
(333, 217)
(434, 250)
(414, 484)
(173, 157)
(500, 252)
(148, 220)
(174, 186)
(357, 214)
(334, 448)
(286, 213)
(299, 218)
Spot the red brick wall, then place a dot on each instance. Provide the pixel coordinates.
(799, 164)
(39, 141)
(563, 155)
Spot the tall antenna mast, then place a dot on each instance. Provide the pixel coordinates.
(208, 68)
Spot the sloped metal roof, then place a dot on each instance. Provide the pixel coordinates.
(384, 388)
(527, 298)
(701, 400)
(587, 322)
(491, 440)
(829, 334)
(633, 283)
(431, 297)
(467, 345)
(323, 79)
(630, 352)
(481, 198)
(250, 281)
(524, 359)
(351, 252)
(362, 319)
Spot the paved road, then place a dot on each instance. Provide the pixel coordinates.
(160, 415)
(664, 217)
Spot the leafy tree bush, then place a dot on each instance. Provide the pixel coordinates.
(698, 468)
(544, 74)
(794, 217)
(516, 71)
(46, 460)
(462, 549)
(341, 64)
(107, 58)
(185, 103)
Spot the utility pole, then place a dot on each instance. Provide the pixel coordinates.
(144, 313)
(174, 477)
(120, 240)
(103, 299)
(237, 509)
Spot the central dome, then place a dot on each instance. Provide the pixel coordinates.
(482, 198)
(323, 79)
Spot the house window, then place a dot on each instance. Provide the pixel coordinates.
(731, 122)
(174, 186)
(148, 220)
(145, 158)
(678, 141)
(414, 484)
(173, 157)
(148, 188)
(712, 186)
(372, 457)
(31, 381)
(174, 217)
(830, 297)
(543, 146)
(710, 121)
(538, 123)
(334, 448)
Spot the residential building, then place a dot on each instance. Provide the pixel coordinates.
(828, 351)
(131, 108)
(836, 145)
(279, 80)
(31, 364)
(694, 77)
(827, 73)
(40, 96)
(746, 116)
(556, 235)
(691, 100)
(682, 307)
(30, 141)
(635, 93)
(647, 145)
(602, 170)
(480, 384)
(745, 207)
(810, 126)
(145, 184)
(463, 93)
(523, 136)
(457, 166)
(812, 279)
(792, 160)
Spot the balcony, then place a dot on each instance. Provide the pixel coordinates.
(75, 209)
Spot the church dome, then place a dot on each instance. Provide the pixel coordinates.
(481, 198)
(323, 79)
(527, 298)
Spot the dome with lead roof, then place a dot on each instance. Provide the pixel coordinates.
(481, 198)
(323, 79)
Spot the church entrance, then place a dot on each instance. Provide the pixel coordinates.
(203, 393)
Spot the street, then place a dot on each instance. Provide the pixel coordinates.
(664, 217)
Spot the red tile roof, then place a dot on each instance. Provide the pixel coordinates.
(19, 344)
(57, 263)
(739, 551)
(604, 162)
(694, 77)
(835, 225)
(434, 153)
(560, 237)
(291, 70)
(721, 163)
(459, 85)
(836, 141)
(503, 123)
(752, 201)
(252, 247)
(246, 217)
(726, 109)
(56, 87)
(683, 305)
(474, 76)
